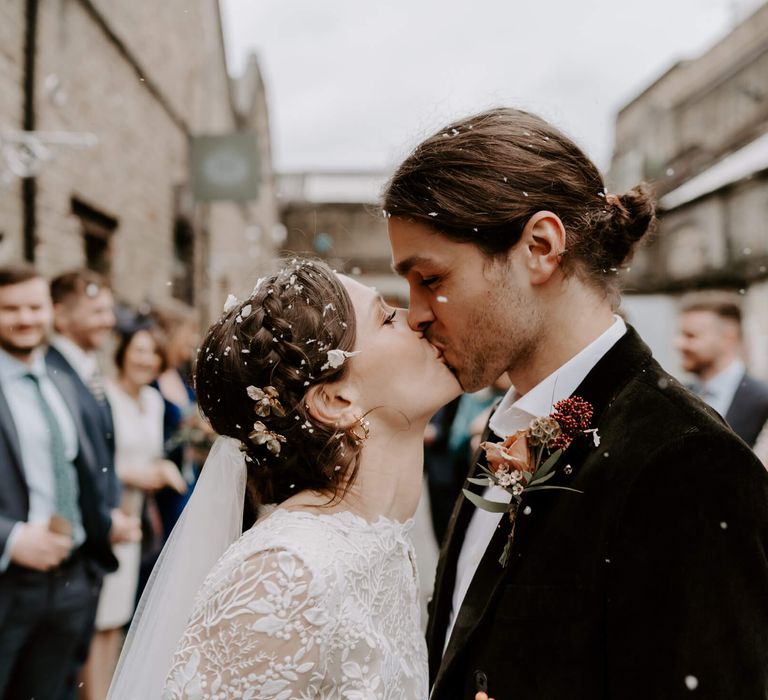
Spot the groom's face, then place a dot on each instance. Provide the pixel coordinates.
(477, 311)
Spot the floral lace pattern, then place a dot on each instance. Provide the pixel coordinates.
(308, 607)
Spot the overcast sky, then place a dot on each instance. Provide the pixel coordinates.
(353, 84)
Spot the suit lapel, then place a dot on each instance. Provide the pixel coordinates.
(69, 393)
(628, 357)
(481, 592)
(742, 391)
(445, 579)
(8, 427)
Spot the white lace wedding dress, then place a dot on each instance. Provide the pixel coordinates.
(307, 606)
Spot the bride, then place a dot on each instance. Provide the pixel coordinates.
(324, 393)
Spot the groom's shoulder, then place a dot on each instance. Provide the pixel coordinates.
(656, 415)
(652, 387)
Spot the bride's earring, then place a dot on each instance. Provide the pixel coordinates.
(360, 431)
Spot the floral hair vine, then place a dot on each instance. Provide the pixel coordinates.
(526, 460)
(336, 358)
(261, 435)
(267, 401)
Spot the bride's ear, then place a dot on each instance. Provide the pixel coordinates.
(331, 404)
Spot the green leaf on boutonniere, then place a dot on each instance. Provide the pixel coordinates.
(551, 488)
(541, 479)
(485, 470)
(479, 482)
(485, 504)
(549, 465)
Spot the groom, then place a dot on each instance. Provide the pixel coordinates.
(649, 580)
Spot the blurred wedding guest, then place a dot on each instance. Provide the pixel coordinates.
(473, 413)
(181, 418)
(439, 468)
(710, 342)
(54, 522)
(83, 321)
(137, 409)
(448, 454)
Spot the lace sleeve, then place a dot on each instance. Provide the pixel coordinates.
(253, 634)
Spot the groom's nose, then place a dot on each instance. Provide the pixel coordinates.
(420, 314)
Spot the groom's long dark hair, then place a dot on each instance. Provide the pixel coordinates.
(480, 179)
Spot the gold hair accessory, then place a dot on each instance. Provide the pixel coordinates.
(261, 435)
(266, 401)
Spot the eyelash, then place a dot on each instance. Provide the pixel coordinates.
(429, 281)
(390, 319)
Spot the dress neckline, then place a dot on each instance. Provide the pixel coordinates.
(345, 516)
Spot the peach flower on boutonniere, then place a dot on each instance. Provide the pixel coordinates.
(511, 454)
(526, 460)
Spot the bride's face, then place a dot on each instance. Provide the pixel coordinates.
(397, 368)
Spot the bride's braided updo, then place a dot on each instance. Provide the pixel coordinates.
(280, 338)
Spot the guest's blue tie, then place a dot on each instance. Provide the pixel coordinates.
(64, 475)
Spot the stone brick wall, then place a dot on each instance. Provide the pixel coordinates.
(143, 77)
(696, 110)
(11, 105)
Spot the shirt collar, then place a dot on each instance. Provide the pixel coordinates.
(515, 412)
(727, 381)
(11, 368)
(84, 363)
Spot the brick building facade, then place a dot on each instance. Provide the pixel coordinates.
(336, 216)
(143, 79)
(700, 134)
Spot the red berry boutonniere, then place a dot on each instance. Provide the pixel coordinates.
(525, 460)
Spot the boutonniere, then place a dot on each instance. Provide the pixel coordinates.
(525, 460)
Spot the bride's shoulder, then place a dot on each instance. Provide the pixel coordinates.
(281, 540)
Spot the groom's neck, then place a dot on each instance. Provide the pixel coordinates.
(571, 322)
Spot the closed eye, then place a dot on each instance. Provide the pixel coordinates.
(390, 318)
(429, 281)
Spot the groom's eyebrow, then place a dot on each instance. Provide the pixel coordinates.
(405, 266)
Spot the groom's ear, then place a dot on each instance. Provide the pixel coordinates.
(543, 242)
(331, 404)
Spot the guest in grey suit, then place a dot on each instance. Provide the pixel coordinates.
(54, 524)
(83, 320)
(710, 342)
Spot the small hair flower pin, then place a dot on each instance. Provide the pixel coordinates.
(336, 358)
(261, 435)
(267, 401)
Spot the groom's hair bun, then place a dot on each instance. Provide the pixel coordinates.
(279, 337)
(480, 179)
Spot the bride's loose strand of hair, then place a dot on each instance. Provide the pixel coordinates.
(280, 337)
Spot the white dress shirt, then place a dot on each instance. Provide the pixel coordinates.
(514, 413)
(84, 363)
(719, 391)
(34, 441)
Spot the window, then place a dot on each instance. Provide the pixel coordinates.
(97, 229)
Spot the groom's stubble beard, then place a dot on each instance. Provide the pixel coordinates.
(502, 336)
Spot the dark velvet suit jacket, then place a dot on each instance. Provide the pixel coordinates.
(14, 493)
(99, 427)
(652, 579)
(748, 412)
